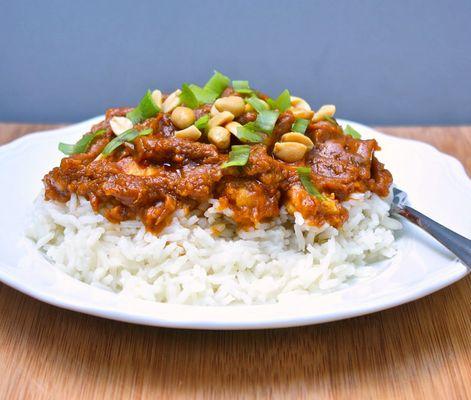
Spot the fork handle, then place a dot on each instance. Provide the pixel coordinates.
(457, 244)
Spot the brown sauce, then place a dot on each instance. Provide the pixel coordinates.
(156, 174)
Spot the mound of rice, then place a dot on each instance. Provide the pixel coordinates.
(202, 259)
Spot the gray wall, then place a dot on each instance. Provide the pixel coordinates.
(380, 62)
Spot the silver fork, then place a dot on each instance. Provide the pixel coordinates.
(457, 244)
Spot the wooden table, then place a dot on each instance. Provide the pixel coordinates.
(419, 350)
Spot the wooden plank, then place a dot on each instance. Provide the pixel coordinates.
(8, 132)
(418, 350)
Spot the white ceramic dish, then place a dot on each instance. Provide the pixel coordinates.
(436, 183)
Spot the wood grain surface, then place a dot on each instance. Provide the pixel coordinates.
(421, 350)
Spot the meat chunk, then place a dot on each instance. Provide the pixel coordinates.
(250, 201)
(247, 117)
(202, 110)
(174, 150)
(117, 112)
(264, 167)
(196, 182)
(342, 165)
(159, 215)
(324, 130)
(314, 210)
(283, 124)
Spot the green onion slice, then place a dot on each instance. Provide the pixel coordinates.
(217, 83)
(266, 120)
(193, 95)
(251, 126)
(202, 122)
(127, 136)
(300, 125)
(330, 119)
(145, 109)
(352, 132)
(304, 174)
(257, 104)
(242, 87)
(187, 96)
(282, 103)
(248, 134)
(238, 156)
(82, 145)
(203, 96)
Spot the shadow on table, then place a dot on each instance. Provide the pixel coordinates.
(381, 353)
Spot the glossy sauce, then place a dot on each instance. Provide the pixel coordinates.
(159, 173)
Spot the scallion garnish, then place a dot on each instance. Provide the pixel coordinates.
(238, 156)
(193, 95)
(247, 133)
(241, 87)
(330, 119)
(266, 120)
(300, 125)
(82, 145)
(127, 136)
(187, 96)
(204, 96)
(145, 109)
(304, 174)
(202, 122)
(257, 104)
(352, 132)
(282, 103)
(217, 83)
(252, 126)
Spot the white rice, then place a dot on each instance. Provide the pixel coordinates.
(188, 264)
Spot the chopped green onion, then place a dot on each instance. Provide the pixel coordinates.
(257, 104)
(217, 83)
(82, 145)
(202, 95)
(352, 132)
(145, 109)
(187, 97)
(246, 133)
(127, 136)
(330, 119)
(202, 122)
(193, 95)
(242, 87)
(300, 125)
(282, 103)
(251, 126)
(238, 156)
(304, 174)
(266, 120)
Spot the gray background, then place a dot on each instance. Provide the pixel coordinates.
(380, 62)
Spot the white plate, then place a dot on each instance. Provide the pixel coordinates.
(436, 183)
